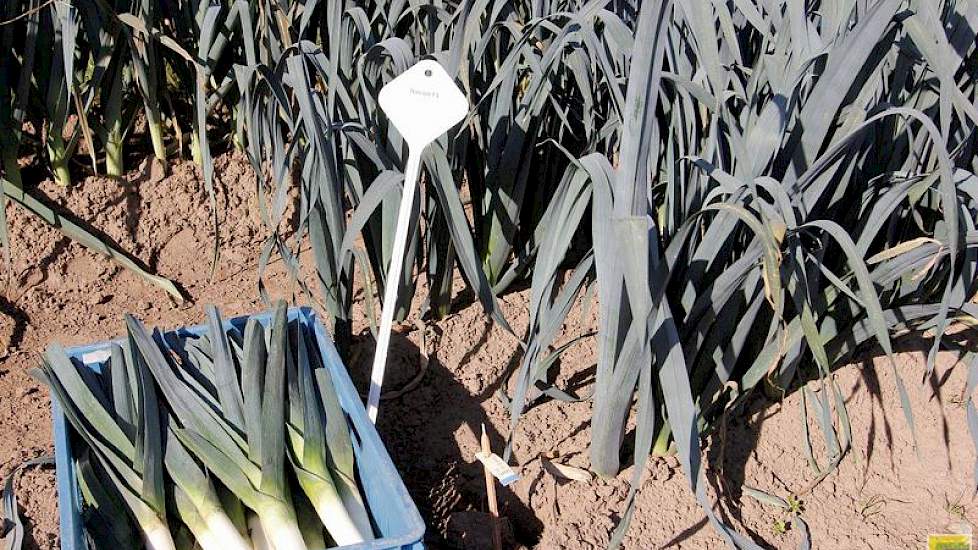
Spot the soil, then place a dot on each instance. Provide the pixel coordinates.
(884, 495)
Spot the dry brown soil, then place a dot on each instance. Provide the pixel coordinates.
(883, 496)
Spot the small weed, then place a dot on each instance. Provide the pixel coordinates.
(779, 526)
(871, 506)
(795, 505)
(955, 508)
(958, 400)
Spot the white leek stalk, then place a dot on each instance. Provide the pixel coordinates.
(226, 534)
(258, 538)
(199, 499)
(308, 436)
(328, 504)
(329, 507)
(156, 534)
(278, 523)
(211, 526)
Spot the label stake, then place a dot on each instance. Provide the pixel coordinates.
(497, 533)
(423, 103)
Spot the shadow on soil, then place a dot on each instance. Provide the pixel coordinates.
(19, 471)
(11, 338)
(726, 463)
(419, 429)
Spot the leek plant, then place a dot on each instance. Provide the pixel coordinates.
(147, 70)
(782, 187)
(256, 477)
(56, 72)
(57, 60)
(103, 509)
(133, 461)
(114, 127)
(137, 446)
(325, 472)
(188, 436)
(753, 190)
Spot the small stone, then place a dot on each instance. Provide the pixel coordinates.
(153, 169)
(143, 305)
(157, 170)
(98, 299)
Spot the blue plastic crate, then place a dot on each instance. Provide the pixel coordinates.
(396, 518)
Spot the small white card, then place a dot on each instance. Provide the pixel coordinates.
(423, 103)
(498, 468)
(94, 357)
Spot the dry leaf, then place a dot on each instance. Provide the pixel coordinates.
(565, 472)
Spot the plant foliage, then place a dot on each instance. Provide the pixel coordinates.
(755, 188)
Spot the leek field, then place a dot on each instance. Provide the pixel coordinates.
(751, 192)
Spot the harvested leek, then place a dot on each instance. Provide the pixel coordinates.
(190, 435)
(217, 443)
(131, 460)
(322, 474)
(137, 459)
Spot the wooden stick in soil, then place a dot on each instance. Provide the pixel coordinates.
(497, 535)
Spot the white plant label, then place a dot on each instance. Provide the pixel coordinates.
(95, 357)
(423, 103)
(498, 467)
